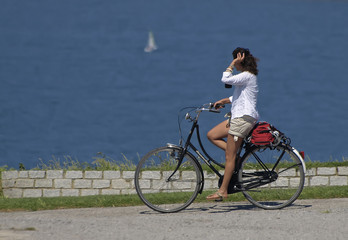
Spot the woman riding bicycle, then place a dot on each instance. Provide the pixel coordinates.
(244, 114)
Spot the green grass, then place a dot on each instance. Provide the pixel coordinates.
(103, 162)
(35, 204)
(330, 163)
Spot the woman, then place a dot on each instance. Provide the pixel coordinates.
(244, 114)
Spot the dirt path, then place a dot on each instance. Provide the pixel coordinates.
(306, 219)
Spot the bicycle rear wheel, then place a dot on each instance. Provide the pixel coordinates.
(271, 173)
(156, 185)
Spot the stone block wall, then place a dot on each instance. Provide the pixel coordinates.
(59, 183)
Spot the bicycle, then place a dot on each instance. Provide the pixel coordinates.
(174, 172)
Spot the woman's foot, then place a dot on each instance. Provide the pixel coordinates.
(217, 196)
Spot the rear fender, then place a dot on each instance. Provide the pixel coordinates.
(300, 157)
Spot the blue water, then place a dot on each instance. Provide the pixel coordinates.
(74, 79)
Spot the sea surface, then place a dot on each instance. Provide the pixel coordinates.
(75, 80)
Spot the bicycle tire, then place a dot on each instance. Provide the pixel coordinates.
(160, 193)
(283, 184)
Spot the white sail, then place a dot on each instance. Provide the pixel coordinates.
(151, 44)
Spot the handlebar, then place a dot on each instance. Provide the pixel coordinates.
(210, 107)
(205, 107)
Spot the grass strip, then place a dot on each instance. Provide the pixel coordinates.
(35, 204)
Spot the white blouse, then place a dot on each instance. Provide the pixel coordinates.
(244, 97)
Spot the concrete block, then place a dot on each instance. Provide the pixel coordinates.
(311, 172)
(209, 175)
(294, 182)
(128, 191)
(43, 183)
(165, 175)
(93, 174)
(82, 183)
(182, 185)
(13, 193)
(338, 180)
(110, 192)
(342, 171)
(101, 183)
(25, 183)
(120, 184)
(188, 175)
(210, 184)
(32, 193)
(161, 185)
(146, 191)
(89, 192)
(132, 184)
(145, 183)
(62, 183)
(70, 192)
(73, 174)
(150, 175)
(54, 174)
(319, 181)
(9, 175)
(50, 192)
(128, 174)
(37, 174)
(10, 183)
(287, 173)
(281, 182)
(23, 174)
(112, 174)
(326, 171)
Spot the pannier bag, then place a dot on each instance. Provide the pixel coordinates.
(264, 134)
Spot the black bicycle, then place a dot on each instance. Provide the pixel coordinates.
(169, 178)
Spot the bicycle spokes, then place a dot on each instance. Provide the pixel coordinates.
(258, 179)
(276, 172)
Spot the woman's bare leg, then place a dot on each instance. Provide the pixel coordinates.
(231, 153)
(217, 134)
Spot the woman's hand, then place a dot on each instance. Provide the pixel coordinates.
(219, 104)
(240, 57)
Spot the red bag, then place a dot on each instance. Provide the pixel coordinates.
(262, 134)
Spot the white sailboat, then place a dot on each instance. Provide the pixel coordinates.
(151, 44)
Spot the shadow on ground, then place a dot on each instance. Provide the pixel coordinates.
(227, 207)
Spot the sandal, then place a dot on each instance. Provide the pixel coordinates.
(218, 197)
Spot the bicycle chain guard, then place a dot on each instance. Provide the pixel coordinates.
(231, 185)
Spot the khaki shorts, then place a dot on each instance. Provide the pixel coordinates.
(241, 126)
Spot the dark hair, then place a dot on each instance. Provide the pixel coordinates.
(249, 63)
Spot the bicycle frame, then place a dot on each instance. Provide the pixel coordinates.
(205, 156)
(255, 166)
(209, 160)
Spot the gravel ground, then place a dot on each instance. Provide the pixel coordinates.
(306, 219)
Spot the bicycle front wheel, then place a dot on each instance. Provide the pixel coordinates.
(271, 178)
(162, 188)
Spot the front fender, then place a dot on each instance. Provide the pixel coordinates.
(170, 145)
